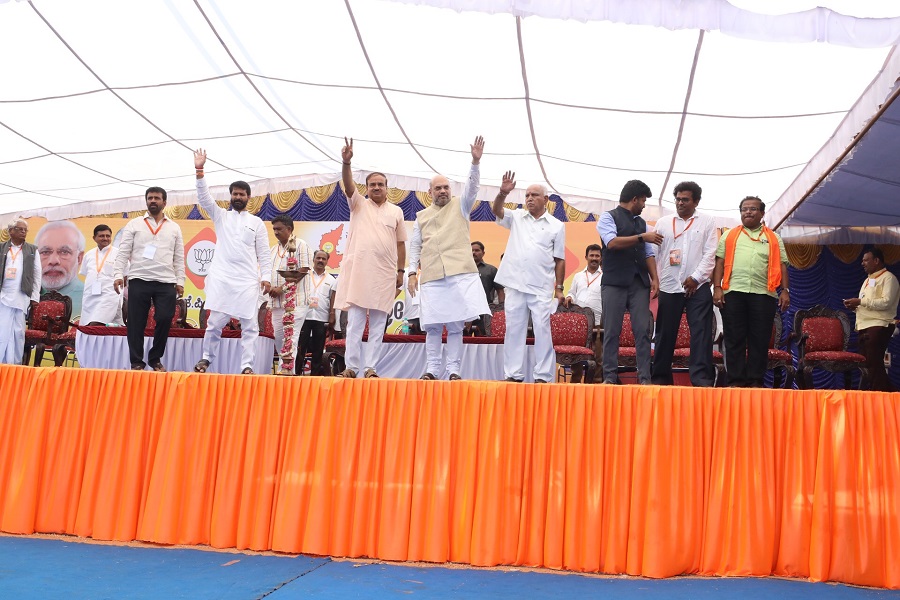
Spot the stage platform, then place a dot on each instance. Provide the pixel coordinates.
(613, 479)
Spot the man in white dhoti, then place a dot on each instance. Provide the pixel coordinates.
(283, 228)
(100, 304)
(534, 258)
(233, 282)
(449, 283)
(20, 286)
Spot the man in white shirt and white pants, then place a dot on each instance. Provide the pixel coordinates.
(233, 282)
(687, 256)
(534, 260)
(585, 291)
(100, 304)
(283, 228)
(451, 287)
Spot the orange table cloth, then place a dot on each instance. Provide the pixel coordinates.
(641, 480)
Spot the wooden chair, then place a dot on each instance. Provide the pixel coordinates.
(572, 332)
(65, 346)
(823, 335)
(45, 322)
(336, 348)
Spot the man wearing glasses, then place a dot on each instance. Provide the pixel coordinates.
(20, 286)
(751, 267)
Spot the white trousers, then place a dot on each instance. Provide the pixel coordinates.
(518, 305)
(278, 327)
(213, 337)
(433, 362)
(358, 357)
(12, 335)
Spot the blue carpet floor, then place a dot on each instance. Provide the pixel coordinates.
(51, 568)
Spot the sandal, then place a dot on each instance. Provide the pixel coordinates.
(428, 377)
(347, 373)
(247, 371)
(201, 366)
(371, 374)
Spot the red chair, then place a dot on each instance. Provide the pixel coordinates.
(178, 319)
(65, 345)
(45, 322)
(498, 324)
(572, 332)
(780, 359)
(823, 335)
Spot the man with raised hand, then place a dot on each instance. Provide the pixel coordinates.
(372, 269)
(534, 260)
(240, 260)
(449, 284)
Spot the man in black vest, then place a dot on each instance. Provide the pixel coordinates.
(629, 278)
(20, 286)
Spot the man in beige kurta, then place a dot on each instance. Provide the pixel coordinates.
(372, 268)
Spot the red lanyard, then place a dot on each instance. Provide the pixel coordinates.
(590, 281)
(154, 231)
(691, 222)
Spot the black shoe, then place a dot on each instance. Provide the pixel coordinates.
(428, 377)
(514, 379)
(539, 381)
(455, 377)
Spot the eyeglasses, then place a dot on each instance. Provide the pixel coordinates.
(21, 229)
(750, 209)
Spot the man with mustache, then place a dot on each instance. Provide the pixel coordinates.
(240, 260)
(629, 278)
(100, 304)
(751, 265)
(687, 256)
(535, 258)
(372, 268)
(283, 228)
(320, 315)
(449, 284)
(585, 291)
(20, 287)
(154, 247)
(61, 246)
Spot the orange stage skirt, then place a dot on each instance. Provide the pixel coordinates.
(614, 479)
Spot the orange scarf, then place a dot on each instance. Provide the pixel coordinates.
(773, 277)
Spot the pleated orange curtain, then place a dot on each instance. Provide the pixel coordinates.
(615, 479)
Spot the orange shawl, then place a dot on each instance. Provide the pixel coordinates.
(773, 277)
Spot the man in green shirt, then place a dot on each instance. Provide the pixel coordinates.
(751, 264)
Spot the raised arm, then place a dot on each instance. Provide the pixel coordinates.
(506, 186)
(346, 170)
(471, 190)
(206, 200)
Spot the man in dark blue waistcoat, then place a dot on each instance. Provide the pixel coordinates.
(629, 278)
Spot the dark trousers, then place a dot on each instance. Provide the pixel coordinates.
(312, 340)
(140, 295)
(616, 301)
(747, 324)
(873, 343)
(699, 309)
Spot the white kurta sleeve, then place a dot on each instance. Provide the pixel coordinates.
(262, 251)
(214, 211)
(415, 248)
(468, 198)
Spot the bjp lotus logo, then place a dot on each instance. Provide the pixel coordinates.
(198, 254)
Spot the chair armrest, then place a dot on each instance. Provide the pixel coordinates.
(801, 344)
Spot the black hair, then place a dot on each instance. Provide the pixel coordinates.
(634, 189)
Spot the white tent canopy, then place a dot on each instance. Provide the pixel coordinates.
(102, 98)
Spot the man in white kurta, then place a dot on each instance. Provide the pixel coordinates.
(100, 304)
(233, 283)
(534, 259)
(20, 285)
(449, 283)
(585, 291)
(372, 268)
(283, 227)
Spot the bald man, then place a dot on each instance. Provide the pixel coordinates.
(449, 285)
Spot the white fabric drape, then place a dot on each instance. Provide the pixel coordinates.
(111, 352)
(479, 361)
(815, 25)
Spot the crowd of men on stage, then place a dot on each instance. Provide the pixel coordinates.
(683, 262)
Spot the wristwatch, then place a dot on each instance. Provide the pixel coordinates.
(560, 287)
